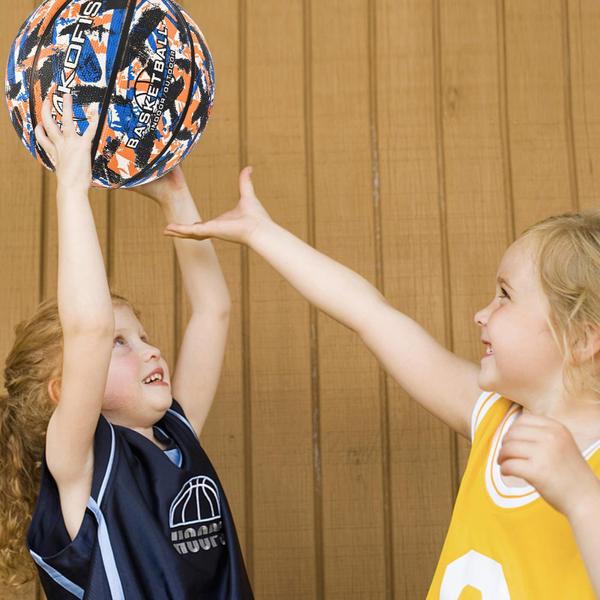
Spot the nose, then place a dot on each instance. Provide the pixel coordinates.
(151, 351)
(482, 316)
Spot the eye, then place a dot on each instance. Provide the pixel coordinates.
(504, 294)
(119, 338)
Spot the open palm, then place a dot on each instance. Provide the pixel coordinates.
(236, 225)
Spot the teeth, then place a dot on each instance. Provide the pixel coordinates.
(155, 377)
(489, 350)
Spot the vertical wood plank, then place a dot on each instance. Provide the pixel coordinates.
(538, 120)
(421, 482)
(353, 537)
(584, 51)
(212, 171)
(282, 486)
(473, 157)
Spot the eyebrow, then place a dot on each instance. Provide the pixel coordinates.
(121, 329)
(502, 280)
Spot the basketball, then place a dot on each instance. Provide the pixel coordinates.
(142, 64)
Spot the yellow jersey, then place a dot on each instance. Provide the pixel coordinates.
(506, 543)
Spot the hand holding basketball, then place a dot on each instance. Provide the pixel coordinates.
(69, 152)
(166, 188)
(237, 225)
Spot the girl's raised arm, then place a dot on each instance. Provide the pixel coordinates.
(86, 316)
(445, 384)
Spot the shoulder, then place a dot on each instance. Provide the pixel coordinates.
(47, 534)
(175, 414)
(489, 410)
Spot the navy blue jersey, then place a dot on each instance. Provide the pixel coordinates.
(157, 524)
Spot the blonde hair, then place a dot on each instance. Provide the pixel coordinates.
(567, 255)
(25, 409)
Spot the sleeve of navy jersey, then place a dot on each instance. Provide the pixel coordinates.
(63, 563)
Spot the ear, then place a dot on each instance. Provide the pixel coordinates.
(54, 390)
(589, 347)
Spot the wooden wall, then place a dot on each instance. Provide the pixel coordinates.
(409, 139)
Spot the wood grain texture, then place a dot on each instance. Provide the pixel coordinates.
(412, 141)
(353, 536)
(282, 467)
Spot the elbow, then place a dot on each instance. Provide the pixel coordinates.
(372, 311)
(221, 312)
(99, 330)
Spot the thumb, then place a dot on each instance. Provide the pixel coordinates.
(246, 187)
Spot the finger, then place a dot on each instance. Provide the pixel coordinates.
(518, 449)
(532, 420)
(195, 230)
(517, 467)
(246, 187)
(67, 121)
(44, 142)
(90, 132)
(50, 125)
(524, 433)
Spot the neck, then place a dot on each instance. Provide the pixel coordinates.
(580, 414)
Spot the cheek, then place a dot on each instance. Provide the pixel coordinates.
(120, 382)
(523, 345)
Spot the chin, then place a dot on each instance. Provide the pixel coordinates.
(486, 383)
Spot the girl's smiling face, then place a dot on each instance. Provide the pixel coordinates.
(521, 361)
(127, 400)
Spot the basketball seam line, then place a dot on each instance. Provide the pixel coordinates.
(113, 76)
(177, 128)
(45, 158)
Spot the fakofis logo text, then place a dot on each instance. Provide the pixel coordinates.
(152, 86)
(89, 10)
(195, 517)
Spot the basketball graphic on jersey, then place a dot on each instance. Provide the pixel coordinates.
(197, 502)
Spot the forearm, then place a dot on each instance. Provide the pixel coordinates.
(83, 294)
(330, 286)
(202, 275)
(585, 523)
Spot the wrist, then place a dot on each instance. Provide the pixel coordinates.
(585, 502)
(263, 227)
(65, 190)
(173, 194)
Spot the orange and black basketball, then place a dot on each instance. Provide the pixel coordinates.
(143, 64)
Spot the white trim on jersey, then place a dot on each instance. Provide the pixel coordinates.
(58, 577)
(485, 401)
(174, 412)
(509, 496)
(109, 465)
(106, 551)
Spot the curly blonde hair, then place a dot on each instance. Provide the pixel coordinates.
(567, 254)
(25, 409)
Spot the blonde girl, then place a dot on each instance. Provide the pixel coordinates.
(526, 524)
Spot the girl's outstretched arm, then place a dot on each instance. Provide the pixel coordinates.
(85, 311)
(442, 382)
(200, 357)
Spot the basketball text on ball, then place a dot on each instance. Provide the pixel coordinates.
(73, 55)
(148, 102)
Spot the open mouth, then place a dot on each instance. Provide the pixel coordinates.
(488, 350)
